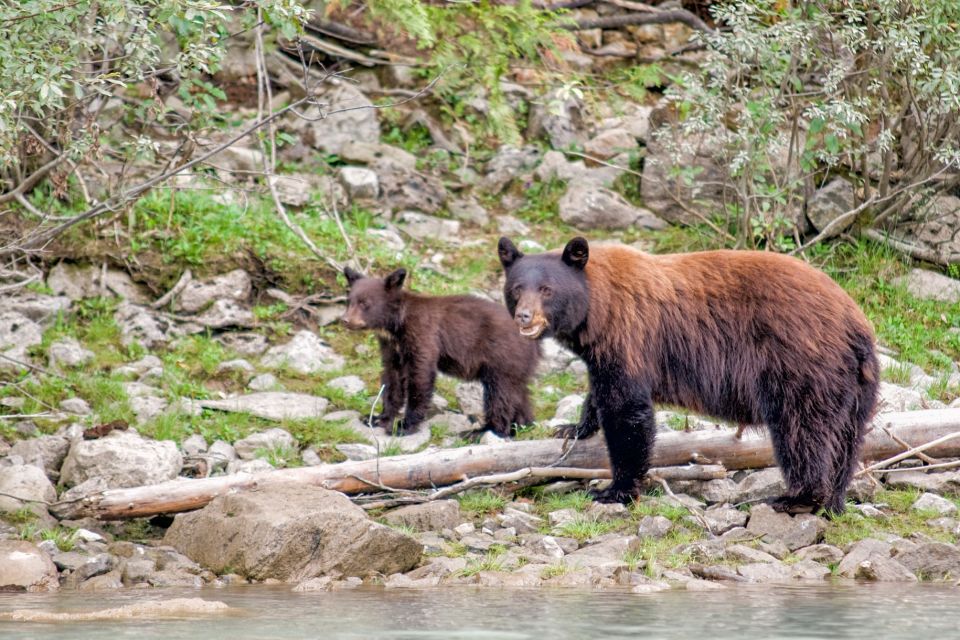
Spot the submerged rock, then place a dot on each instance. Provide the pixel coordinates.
(290, 532)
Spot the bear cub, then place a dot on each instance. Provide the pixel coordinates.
(462, 336)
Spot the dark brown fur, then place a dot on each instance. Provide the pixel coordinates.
(750, 337)
(462, 336)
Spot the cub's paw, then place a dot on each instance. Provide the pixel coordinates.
(383, 421)
(612, 494)
(573, 431)
(793, 505)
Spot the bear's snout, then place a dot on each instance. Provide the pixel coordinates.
(530, 320)
(353, 320)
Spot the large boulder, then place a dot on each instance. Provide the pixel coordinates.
(347, 117)
(932, 561)
(677, 198)
(28, 483)
(121, 459)
(290, 532)
(586, 205)
(830, 202)
(24, 567)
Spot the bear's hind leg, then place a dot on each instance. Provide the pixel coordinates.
(805, 449)
(500, 405)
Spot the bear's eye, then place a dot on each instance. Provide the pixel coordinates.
(546, 291)
(363, 304)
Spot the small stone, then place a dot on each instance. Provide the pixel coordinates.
(248, 466)
(822, 553)
(511, 226)
(272, 405)
(360, 182)
(934, 503)
(465, 529)
(470, 399)
(724, 519)
(830, 202)
(221, 450)
(760, 485)
(654, 527)
(17, 334)
(235, 366)
(23, 567)
(610, 143)
(310, 458)
(199, 294)
(421, 226)
(263, 382)
(193, 445)
(68, 352)
(350, 385)
(269, 440)
(469, 211)
(766, 572)
(76, 406)
(561, 517)
(305, 354)
(357, 451)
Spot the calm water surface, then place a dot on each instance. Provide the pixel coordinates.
(876, 612)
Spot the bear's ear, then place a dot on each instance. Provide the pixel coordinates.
(395, 279)
(508, 252)
(576, 252)
(351, 275)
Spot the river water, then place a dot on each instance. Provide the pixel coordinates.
(869, 611)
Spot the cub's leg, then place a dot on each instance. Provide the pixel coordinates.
(589, 422)
(394, 382)
(421, 376)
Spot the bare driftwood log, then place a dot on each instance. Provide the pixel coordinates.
(450, 466)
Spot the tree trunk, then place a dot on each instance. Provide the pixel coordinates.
(439, 468)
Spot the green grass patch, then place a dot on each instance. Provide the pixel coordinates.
(492, 560)
(665, 552)
(576, 500)
(554, 571)
(658, 507)
(586, 527)
(479, 503)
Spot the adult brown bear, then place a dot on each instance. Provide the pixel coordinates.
(463, 336)
(747, 336)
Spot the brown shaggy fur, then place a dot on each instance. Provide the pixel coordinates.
(747, 336)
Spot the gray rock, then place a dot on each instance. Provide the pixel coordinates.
(809, 570)
(465, 529)
(604, 512)
(452, 423)
(429, 516)
(224, 313)
(931, 482)
(221, 450)
(670, 196)
(878, 568)
(507, 164)
(519, 521)
(121, 459)
(67, 352)
(194, 445)
(423, 227)
(290, 532)
(76, 406)
(934, 503)
(760, 485)
(469, 211)
(83, 566)
(724, 519)
(248, 466)
(138, 368)
(350, 385)
(199, 294)
(29, 483)
(766, 572)
(830, 202)
(335, 129)
(238, 159)
(17, 334)
(556, 166)
(511, 226)
(147, 408)
(38, 307)
(638, 122)
(822, 553)
(372, 153)
(269, 440)
(244, 344)
(23, 567)
(272, 405)
(868, 549)
(310, 458)
(239, 366)
(84, 281)
(297, 189)
(45, 452)
(359, 182)
(604, 554)
(654, 527)
(589, 206)
(143, 326)
(561, 517)
(470, 399)
(932, 561)
(894, 398)
(610, 143)
(546, 546)
(742, 553)
(560, 117)
(930, 285)
(401, 189)
(357, 451)
(933, 227)
(263, 382)
(797, 531)
(305, 353)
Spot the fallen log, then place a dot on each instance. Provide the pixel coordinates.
(891, 433)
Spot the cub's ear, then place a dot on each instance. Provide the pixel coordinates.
(395, 279)
(508, 252)
(576, 253)
(351, 275)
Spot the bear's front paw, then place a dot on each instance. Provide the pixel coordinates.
(573, 431)
(383, 421)
(614, 494)
(792, 505)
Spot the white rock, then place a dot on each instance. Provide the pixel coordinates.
(68, 352)
(17, 334)
(933, 502)
(350, 385)
(27, 482)
(305, 353)
(194, 444)
(568, 410)
(121, 459)
(930, 285)
(359, 182)
(470, 398)
(423, 227)
(272, 405)
(198, 294)
(76, 406)
(269, 440)
(263, 382)
(230, 366)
